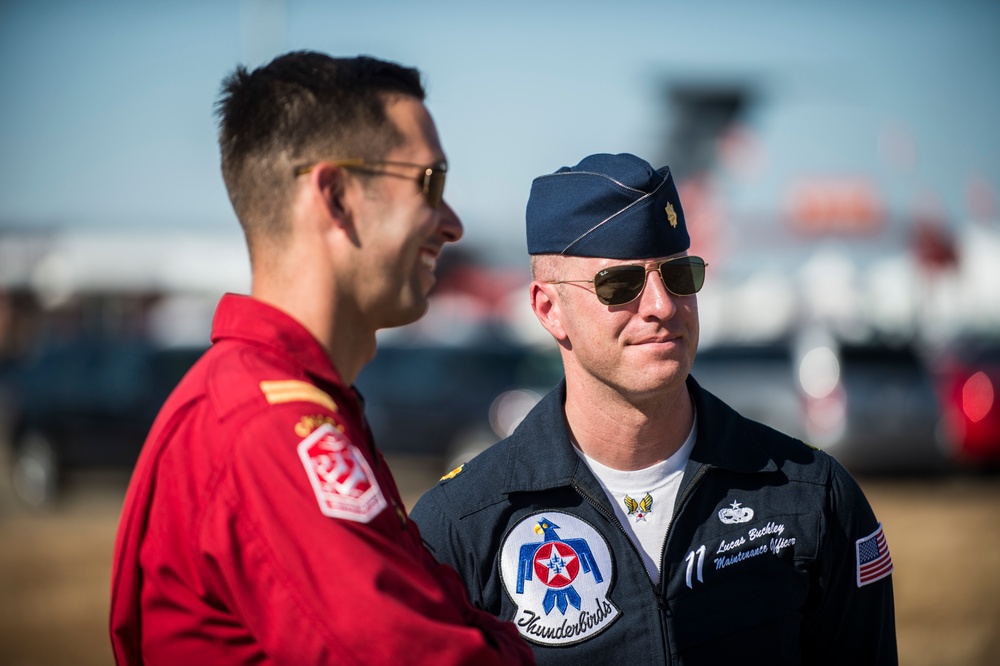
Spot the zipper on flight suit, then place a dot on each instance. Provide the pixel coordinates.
(614, 520)
(659, 592)
(678, 505)
(661, 596)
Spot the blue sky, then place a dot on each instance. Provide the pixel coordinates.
(106, 106)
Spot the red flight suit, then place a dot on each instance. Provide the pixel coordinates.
(262, 526)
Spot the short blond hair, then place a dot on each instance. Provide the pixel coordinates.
(545, 266)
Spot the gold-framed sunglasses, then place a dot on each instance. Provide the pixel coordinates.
(431, 180)
(618, 285)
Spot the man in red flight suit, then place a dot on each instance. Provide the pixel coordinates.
(261, 525)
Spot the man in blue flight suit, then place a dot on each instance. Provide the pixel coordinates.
(633, 517)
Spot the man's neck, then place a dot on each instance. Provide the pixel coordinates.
(348, 342)
(624, 433)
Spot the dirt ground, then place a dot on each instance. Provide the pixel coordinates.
(943, 533)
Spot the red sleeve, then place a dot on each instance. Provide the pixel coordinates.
(502, 635)
(318, 589)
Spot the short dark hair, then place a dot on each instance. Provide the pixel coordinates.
(300, 108)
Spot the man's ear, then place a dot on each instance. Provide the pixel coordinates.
(546, 306)
(331, 182)
(332, 186)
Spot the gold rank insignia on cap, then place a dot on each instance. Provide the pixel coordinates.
(293, 390)
(671, 215)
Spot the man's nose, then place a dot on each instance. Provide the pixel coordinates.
(655, 299)
(450, 225)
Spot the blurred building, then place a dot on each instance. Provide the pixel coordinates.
(812, 209)
(163, 286)
(822, 215)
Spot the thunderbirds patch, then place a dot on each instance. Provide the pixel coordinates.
(343, 481)
(558, 570)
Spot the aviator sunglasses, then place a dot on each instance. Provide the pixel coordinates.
(618, 285)
(431, 180)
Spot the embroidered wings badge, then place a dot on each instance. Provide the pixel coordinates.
(639, 509)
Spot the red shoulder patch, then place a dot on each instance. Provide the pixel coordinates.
(344, 483)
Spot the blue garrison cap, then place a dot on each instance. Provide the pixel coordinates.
(610, 206)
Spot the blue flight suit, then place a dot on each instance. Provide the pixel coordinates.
(774, 554)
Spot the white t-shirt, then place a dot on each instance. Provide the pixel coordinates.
(644, 499)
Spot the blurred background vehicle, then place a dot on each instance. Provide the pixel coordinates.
(872, 405)
(451, 401)
(757, 380)
(82, 404)
(968, 377)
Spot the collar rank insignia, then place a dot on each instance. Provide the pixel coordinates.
(639, 509)
(561, 583)
(453, 473)
(671, 215)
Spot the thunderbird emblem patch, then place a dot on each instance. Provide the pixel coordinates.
(558, 570)
(343, 481)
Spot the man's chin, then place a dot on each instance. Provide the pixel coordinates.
(656, 377)
(406, 314)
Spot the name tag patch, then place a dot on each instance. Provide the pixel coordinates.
(558, 570)
(768, 539)
(340, 476)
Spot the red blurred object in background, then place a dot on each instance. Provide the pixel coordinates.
(969, 383)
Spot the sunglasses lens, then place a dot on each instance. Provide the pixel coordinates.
(619, 284)
(684, 276)
(434, 186)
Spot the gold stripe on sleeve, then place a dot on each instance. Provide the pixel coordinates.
(293, 390)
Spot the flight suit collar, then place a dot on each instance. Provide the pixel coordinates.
(724, 441)
(252, 320)
(541, 456)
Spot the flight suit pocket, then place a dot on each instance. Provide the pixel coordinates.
(754, 619)
(744, 592)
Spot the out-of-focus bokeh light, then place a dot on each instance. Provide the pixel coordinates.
(819, 372)
(977, 396)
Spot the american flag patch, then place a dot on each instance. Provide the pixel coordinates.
(874, 560)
